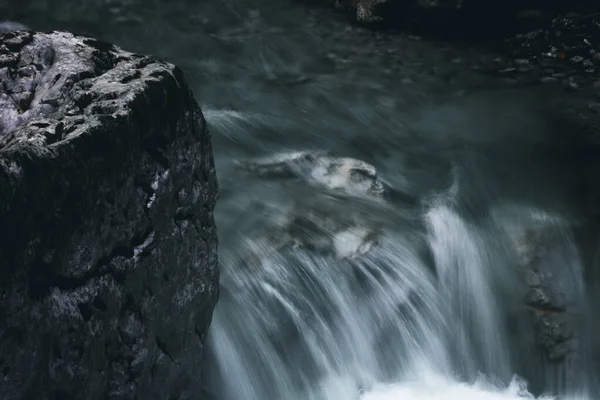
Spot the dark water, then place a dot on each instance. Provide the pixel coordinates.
(474, 158)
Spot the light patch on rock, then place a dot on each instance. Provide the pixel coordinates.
(158, 179)
(186, 294)
(151, 201)
(15, 169)
(344, 236)
(65, 303)
(317, 168)
(353, 242)
(138, 250)
(8, 118)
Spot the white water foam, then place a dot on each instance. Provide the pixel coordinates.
(442, 388)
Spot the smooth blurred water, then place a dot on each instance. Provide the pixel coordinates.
(423, 315)
(435, 309)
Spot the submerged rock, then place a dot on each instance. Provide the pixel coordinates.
(332, 226)
(323, 230)
(544, 298)
(108, 273)
(344, 175)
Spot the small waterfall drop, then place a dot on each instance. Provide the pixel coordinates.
(422, 315)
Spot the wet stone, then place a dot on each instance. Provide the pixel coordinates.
(344, 235)
(542, 298)
(553, 336)
(321, 169)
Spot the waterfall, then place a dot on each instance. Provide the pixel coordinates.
(422, 315)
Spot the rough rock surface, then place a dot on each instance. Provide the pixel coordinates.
(552, 324)
(108, 270)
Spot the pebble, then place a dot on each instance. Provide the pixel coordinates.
(594, 107)
(522, 61)
(576, 59)
(572, 85)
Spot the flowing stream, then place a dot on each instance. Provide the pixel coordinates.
(423, 314)
(418, 295)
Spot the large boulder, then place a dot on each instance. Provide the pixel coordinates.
(108, 248)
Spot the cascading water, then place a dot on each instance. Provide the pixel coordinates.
(421, 315)
(440, 305)
(464, 267)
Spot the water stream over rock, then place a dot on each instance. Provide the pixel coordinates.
(413, 236)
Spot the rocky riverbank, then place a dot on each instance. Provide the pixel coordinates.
(547, 42)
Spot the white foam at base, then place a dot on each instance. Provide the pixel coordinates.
(440, 388)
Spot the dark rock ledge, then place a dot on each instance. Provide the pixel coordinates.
(108, 263)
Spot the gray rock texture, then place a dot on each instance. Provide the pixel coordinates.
(108, 248)
(320, 169)
(545, 299)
